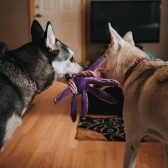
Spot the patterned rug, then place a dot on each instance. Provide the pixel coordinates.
(110, 129)
(106, 128)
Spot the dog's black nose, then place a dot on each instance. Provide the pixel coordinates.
(84, 68)
(67, 77)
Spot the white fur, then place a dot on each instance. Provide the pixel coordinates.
(23, 111)
(63, 67)
(2, 149)
(50, 41)
(129, 38)
(70, 52)
(13, 122)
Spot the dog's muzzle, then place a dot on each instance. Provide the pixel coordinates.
(84, 68)
(67, 77)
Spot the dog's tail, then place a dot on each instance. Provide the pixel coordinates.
(3, 50)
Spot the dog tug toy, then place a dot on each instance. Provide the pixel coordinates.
(82, 83)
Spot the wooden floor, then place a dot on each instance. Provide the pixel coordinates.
(46, 139)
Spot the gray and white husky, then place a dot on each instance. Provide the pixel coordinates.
(28, 70)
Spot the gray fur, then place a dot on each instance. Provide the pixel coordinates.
(26, 71)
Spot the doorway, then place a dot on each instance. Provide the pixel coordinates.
(67, 19)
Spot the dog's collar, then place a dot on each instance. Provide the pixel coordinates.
(34, 85)
(133, 66)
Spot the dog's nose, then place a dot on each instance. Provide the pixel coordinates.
(67, 77)
(84, 67)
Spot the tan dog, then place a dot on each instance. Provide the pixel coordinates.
(145, 87)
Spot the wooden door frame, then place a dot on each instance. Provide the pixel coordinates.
(31, 12)
(84, 16)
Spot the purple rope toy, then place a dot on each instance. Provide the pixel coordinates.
(82, 83)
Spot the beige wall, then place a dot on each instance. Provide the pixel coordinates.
(14, 22)
(15, 31)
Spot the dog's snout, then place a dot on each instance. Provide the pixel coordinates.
(67, 77)
(84, 67)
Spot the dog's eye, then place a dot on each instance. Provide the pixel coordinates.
(48, 49)
(72, 59)
(55, 52)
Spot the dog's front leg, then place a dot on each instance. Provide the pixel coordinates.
(13, 122)
(133, 139)
(166, 155)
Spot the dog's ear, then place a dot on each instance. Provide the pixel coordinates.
(129, 38)
(49, 36)
(37, 32)
(115, 37)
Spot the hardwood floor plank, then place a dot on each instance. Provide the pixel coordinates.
(46, 139)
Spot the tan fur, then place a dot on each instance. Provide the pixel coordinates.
(145, 94)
